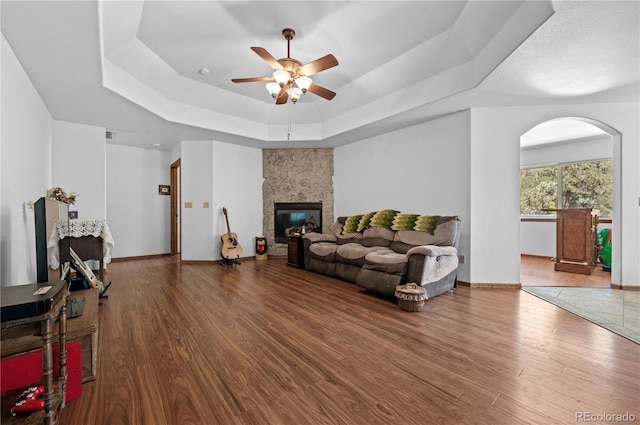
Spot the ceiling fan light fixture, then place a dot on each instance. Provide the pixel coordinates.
(273, 89)
(303, 83)
(294, 94)
(290, 78)
(281, 77)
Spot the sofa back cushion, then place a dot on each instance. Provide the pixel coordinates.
(446, 234)
(377, 236)
(342, 238)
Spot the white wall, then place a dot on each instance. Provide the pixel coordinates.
(224, 175)
(79, 165)
(138, 216)
(25, 155)
(495, 190)
(237, 185)
(423, 169)
(196, 168)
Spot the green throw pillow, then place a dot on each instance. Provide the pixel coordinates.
(383, 218)
(351, 224)
(365, 221)
(404, 221)
(427, 223)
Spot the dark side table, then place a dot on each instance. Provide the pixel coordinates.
(295, 257)
(20, 302)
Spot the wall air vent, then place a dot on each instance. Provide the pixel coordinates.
(111, 135)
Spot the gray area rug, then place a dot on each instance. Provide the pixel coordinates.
(613, 309)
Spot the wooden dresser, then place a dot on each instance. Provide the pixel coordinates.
(576, 241)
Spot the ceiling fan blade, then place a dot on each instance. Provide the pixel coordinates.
(282, 98)
(325, 62)
(251, 80)
(266, 56)
(321, 91)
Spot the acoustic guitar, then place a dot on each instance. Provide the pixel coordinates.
(231, 249)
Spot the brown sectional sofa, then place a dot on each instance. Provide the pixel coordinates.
(378, 256)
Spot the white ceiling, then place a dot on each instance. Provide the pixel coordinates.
(132, 66)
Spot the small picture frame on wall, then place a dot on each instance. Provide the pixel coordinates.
(73, 215)
(164, 189)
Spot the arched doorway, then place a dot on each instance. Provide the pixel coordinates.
(568, 140)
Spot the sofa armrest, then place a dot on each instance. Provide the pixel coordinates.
(430, 263)
(314, 237)
(432, 251)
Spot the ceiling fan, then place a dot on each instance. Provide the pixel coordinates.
(290, 78)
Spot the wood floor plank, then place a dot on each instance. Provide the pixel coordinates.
(264, 343)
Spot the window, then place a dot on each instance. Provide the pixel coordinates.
(580, 185)
(538, 190)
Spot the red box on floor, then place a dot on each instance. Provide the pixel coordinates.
(21, 370)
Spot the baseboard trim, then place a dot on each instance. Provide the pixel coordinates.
(146, 257)
(200, 261)
(625, 288)
(138, 257)
(490, 285)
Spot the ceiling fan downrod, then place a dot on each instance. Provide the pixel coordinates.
(288, 34)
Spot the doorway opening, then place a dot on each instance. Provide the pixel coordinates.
(175, 209)
(567, 140)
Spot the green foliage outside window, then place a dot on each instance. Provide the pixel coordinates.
(588, 185)
(583, 185)
(538, 190)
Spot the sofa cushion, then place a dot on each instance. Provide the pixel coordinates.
(354, 253)
(325, 251)
(443, 235)
(314, 237)
(342, 238)
(386, 260)
(377, 236)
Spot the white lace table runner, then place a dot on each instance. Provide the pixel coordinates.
(77, 229)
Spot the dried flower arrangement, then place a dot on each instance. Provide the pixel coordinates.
(58, 194)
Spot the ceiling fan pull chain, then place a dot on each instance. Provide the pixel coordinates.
(289, 128)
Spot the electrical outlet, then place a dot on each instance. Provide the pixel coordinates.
(205, 205)
(188, 205)
(461, 259)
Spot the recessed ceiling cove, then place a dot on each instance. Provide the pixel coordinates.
(394, 57)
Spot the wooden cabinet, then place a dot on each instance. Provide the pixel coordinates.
(83, 329)
(295, 256)
(42, 324)
(576, 242)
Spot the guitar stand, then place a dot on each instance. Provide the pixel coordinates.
(230, 261)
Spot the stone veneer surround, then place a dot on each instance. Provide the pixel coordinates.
(295, 175)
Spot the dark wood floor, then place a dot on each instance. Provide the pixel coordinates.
(263, 343)
(539, 271)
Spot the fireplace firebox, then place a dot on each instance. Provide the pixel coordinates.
(291, 217)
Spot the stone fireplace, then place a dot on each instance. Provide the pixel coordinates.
(295, 176)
